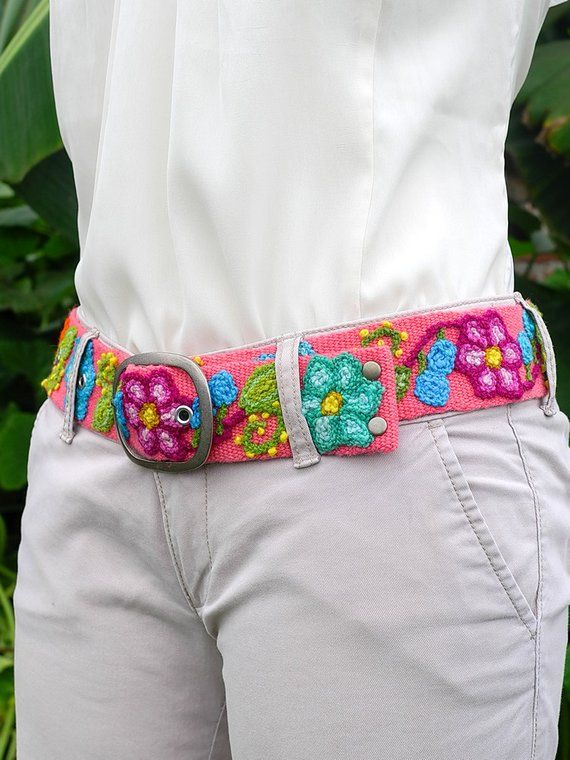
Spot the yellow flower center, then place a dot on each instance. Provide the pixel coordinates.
(149, 416)
(331, 403)
(493, 357)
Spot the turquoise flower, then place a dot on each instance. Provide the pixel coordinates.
(338, 402)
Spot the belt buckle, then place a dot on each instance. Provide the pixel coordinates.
(206, 416)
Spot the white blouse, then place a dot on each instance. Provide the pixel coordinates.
(246, 168)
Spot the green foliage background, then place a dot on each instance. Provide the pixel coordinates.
(39, 252)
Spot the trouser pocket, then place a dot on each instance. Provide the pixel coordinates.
(482, 458)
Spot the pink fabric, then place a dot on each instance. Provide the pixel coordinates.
(473, 330)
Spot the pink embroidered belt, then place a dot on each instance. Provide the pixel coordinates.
(340, 390)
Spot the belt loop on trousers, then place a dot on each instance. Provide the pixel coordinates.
(67, 432)
(549, 404)
(287, 372)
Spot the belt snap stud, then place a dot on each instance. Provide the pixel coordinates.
(371, 370)
(377, 425)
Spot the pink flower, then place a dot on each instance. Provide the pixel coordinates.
(150, 402)
(489, 357)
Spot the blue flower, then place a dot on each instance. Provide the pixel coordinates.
(223, 389)
(223, 392)
(441, 357)
(305, 348)
(85, 378)
(432, 388)
(525, 346)
(529, 323)
(118, 404)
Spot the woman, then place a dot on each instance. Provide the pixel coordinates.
(329, 518)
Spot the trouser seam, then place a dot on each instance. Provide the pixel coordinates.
(539, 600)
(216, 730)
(166, 521)
(206, 516)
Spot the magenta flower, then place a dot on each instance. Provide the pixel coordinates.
(150, 404)
(489, 357)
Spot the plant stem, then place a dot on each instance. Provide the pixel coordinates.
(7, 727)
(8, 612)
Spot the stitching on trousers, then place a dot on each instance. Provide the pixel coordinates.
(459, 499)
(538, 515)
(179, 574)
(216, 730)
(206, 515)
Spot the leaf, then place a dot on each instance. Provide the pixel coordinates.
(49, 189)
(31, 359)
(14, 13)
(545, 95)
(3, 542)
(546, 178)
(15, 433)
(17, 216)
(260, 391)
(28, 122)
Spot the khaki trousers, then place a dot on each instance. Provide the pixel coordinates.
(401, 606)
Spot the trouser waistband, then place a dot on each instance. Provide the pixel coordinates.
(338, 390)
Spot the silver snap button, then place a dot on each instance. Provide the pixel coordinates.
(371, 370)
(81, 380)
(183, 414)
(377, 425)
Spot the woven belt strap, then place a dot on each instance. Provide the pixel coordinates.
(339, 390)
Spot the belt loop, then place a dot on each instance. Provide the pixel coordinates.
(549, 404)
(67, 431)
(303, 448)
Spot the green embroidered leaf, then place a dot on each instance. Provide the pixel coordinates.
(403, 375)
(422, 362)
(441, 334)
(260, 391)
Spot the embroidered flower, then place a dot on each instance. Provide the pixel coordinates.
(525, 346)
(305, 349)
(432, 386)
(121, 420)
(529, 324)
(526, 337)
(85, 378)
(490, 357)
(149, 405)
(338, 401)
(223, 392)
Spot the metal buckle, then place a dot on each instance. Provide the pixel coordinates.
(206, 415)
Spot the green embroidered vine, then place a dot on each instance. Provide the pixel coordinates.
(260, 401)
(52, 382)
(103, 417)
